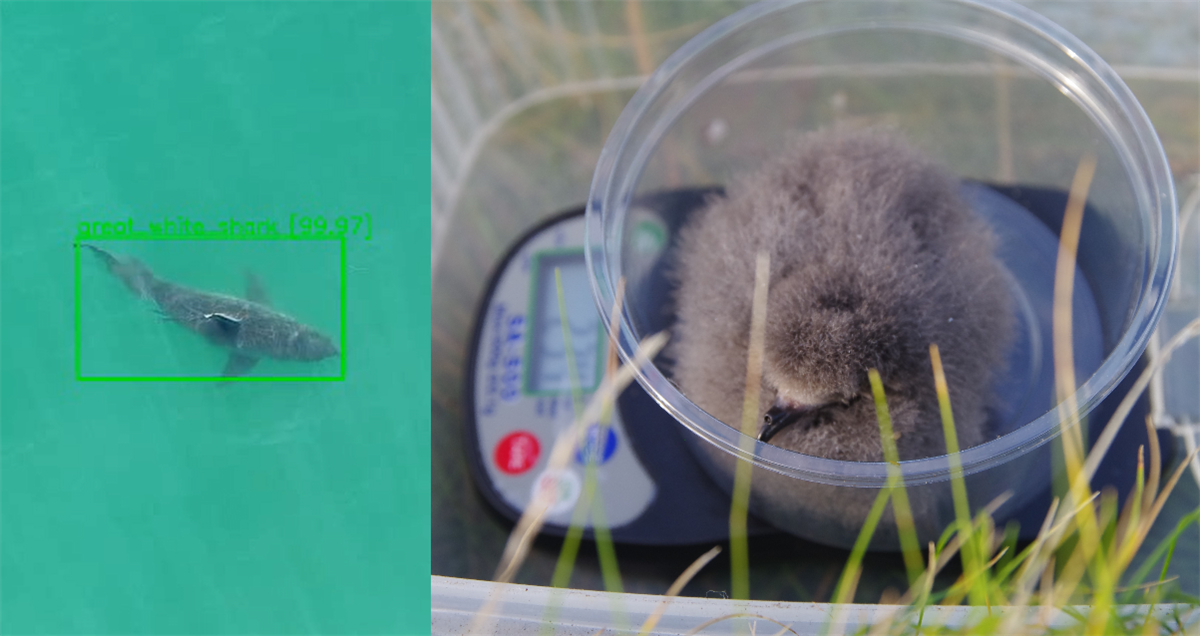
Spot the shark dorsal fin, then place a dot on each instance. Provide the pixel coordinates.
(255, 292)
(221, 328)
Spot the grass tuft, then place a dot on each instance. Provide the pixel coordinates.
(1073, 578)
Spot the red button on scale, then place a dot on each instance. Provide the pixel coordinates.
(517, 452)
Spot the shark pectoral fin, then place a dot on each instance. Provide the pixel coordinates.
(166, 316)
(238, 364)
(255, 291)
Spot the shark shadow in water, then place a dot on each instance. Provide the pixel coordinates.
(248, 327)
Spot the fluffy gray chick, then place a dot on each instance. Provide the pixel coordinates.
(873, 257)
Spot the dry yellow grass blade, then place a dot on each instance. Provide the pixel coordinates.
(926, 581)
(637, 31)
(1064, 290)
(709, 623)
(1072, 573)
(1132, 512)
(1155, 468)
(1146, 586)
(783, 630)
(612, 359)
(1047, 588)
(1068, 409)
(1063, 345)
(1026, 579)
(886, 618)
(758, 331)
(1152, 500)
(1041, 556)
(675, 588)
(1161, 501)
(540, 36)
(739, 551)
(1103, 442)
(614, 322)
(947, 554)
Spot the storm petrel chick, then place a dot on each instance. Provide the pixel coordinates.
(874, 256)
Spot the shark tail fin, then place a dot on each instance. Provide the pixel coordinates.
(131, 271)
(108, 259)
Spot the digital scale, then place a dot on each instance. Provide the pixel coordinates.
(519, 397)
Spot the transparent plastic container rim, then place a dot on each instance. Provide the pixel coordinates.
(1124, 122)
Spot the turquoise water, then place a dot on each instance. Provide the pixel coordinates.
(193, 507)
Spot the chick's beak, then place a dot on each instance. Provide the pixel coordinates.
(779, 417)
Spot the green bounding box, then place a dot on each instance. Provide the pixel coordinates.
(246, 330)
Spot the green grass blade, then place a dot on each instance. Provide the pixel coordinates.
(973, 555)
(848, 582)
(605, 549)
(909, 546)
(844, 592)
(1167, 544)
(589, 501)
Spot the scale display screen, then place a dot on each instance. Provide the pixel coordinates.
(547, 354)
(520, 396)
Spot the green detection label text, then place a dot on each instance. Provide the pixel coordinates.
(297, 226)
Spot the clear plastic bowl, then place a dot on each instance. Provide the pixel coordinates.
(996, 93)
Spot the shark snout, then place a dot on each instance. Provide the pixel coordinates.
(319, 347)
(327, 349)
(309, 344)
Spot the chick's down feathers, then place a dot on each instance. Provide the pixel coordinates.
(874, 256)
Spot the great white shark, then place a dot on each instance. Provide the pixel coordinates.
(248, 327)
